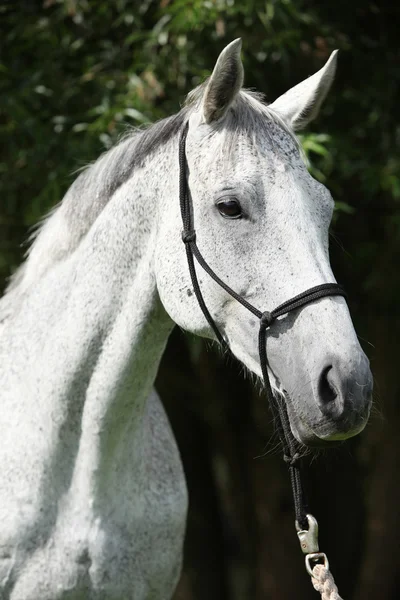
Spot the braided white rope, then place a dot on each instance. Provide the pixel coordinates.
(323, 582)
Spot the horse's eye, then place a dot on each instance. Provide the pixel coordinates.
(229, 208)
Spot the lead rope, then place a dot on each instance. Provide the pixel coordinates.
(306, 524)
(323, 582)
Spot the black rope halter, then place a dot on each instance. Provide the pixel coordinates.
(266, 321)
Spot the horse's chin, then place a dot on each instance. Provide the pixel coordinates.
(307, 436)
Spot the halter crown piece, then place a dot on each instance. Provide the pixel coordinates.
(306, 524)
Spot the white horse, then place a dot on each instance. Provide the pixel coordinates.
(92, 493)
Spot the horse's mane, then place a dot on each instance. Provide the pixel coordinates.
(61, 231)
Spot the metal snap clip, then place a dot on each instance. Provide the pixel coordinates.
(309, 544)
(308, 537)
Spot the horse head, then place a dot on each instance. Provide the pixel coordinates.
(262, 224)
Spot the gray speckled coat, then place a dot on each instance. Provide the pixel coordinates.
(92, 493)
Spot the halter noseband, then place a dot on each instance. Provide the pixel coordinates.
(304, 521)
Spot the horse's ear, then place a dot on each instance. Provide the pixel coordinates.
(224, 83)
(301, 104)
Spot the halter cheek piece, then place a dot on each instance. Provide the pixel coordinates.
(305, 523)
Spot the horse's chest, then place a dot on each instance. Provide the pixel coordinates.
(126, 543)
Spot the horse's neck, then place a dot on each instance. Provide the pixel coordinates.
(89, 337)
(92, 481)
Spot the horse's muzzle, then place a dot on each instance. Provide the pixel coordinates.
(338, 405)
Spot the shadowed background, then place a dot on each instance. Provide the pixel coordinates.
(74, 74)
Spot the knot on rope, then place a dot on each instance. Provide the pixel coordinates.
(323, 582)
(292, 461)
(266, 319)
(188, 236)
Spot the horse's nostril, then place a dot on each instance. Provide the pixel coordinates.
(341, 404)
(327, 393)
